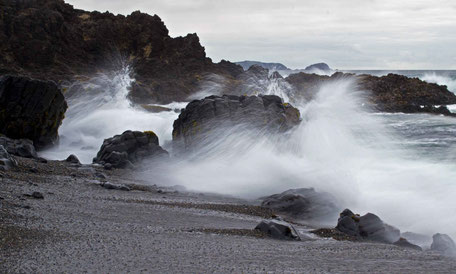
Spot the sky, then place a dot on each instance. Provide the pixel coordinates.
(346, 34)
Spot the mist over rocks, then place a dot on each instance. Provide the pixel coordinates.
(31, 109)
(6, 160)
(261, 113)
(129, 148)
(444, 244)
(303, 204)
(390, 93)
(73, 42)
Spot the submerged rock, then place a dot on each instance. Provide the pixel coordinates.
(260, 113)
(31, 109)
(368, 226)
(443, 244)
(6, 160)
(19, 147)
(129, 148)
(278, 230)
(303, 204)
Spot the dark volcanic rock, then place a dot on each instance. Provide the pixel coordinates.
(319, 66)
(50, 39)
(31, 109)
(402, 242)
(390, 93)
(6, 160)
(368, 226)
(19, 147)
(129, 148)
(73, 159)
(443, 244)
(303, 204)
(271, 66)
(278, 230)
(109, 185)
(266, 112)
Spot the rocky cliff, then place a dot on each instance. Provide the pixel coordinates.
(49, 39)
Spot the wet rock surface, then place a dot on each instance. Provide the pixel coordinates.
(368, 226)
(6, 160)
(260, 113)
(443, 244)
(19, 147)
(73, 159)
(31, 109)
(303, 204)
(278, 230)
(129, 148)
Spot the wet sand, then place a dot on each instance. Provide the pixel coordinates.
(80, 226)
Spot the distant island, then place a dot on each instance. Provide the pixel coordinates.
(320, 66)
(271, 66)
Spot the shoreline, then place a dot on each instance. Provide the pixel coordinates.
(81, 225)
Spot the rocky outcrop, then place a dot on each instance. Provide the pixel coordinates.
(31, 109)
(129, 148)
(319, 66)
(19, 147)
(270, 66)
(304, 204)
(368, 226)
(266, 112)
(75, 42)
(390, 93)
(444, 244)
(278, 230)
(6, 160)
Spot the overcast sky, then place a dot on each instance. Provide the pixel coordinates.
(346, 34)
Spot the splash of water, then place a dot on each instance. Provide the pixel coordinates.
(99, 109)
(441, 80)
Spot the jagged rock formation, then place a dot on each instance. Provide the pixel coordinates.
(129, 148)
(390, 93)
(270, 66)
(31, 109)
(444, 244)
(72, 42)
(368, 226)
(266, 112)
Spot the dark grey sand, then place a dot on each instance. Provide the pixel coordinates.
(80, 226)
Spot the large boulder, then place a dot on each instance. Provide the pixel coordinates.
(443, 244)
(278, 230)
(368, 226)
(128, 148)
(19, 147)
(6, 160)
(262, 113)
(303, 204)
(31, 109)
